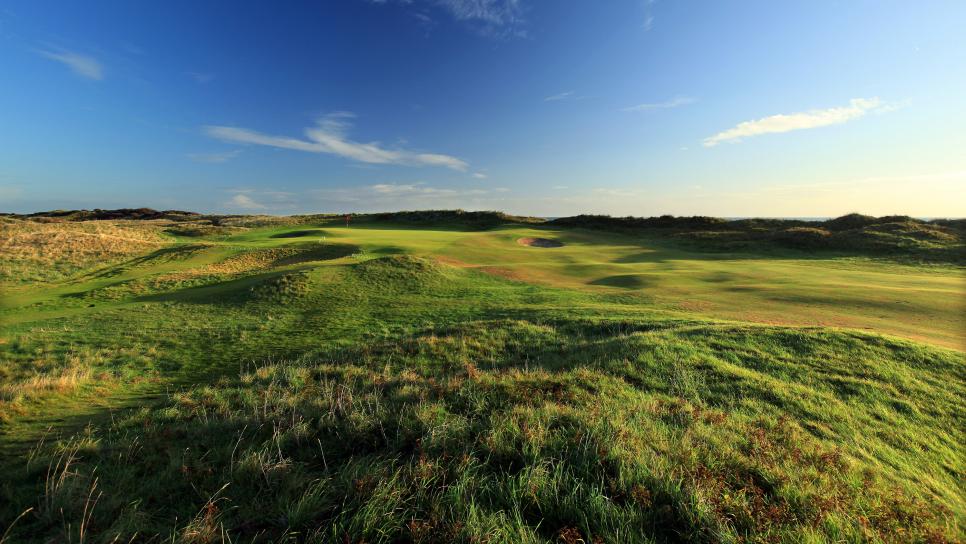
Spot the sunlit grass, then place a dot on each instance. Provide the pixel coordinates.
(404, 383)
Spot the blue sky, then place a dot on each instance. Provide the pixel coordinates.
(553, 107)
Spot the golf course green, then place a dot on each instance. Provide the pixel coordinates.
(301, 380)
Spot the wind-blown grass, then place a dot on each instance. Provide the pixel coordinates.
(513, 431)
(32, 251)
(402, 382)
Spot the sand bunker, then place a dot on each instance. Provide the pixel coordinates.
(539, 242)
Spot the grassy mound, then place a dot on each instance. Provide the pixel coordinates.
(202, 230)
(891, 236)
(450, 218)
(515, 431)
(37, 251)
(401, 272)
(310, 251)
(282, 288)
(98, 214)
(804, 238)
(259, 260)
(243, 277)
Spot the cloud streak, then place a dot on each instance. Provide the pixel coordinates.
(201, 77)
(675, 102)
(245, 202)
(495, 12)
(559, 96)
(408, 195)
(493, 18)
(81, 65)
(496, 18)
(214, 157)
(774, 124)
(329, 137)
(259, 199)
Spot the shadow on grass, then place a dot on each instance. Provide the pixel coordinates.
(626, 281)
(167, 253)
(299, 233)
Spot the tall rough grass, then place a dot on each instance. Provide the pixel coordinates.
(32, 372)
(36, 251)
(510, 431)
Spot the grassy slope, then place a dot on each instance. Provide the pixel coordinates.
(551, 390)
(899, 237)
(787, 287)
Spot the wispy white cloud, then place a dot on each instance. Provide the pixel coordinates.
(423, 18)
(262, 199)
(497, 18)
(420, 188)
(214, 157)
(559, 96)
(648, 15)
(479, 175)
(917, 194)
(425, 21)
(245, 202)
(675, 102)
(500, 12)
(409, 195)
(329, 136)
(201, 77)
(857, 108)
(82, 65)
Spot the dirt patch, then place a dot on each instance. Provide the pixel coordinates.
(539, 242)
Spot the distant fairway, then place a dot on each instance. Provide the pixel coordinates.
(392, 381)
(922, 303)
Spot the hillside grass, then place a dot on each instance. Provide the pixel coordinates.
(520, 431)
(895, 237)
(294, 380)
(32, 251)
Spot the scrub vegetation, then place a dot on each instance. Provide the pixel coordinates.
(438, 377)
(896, 236)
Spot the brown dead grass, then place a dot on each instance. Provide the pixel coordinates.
(44, 372)
(13, 394)
(35, 251)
